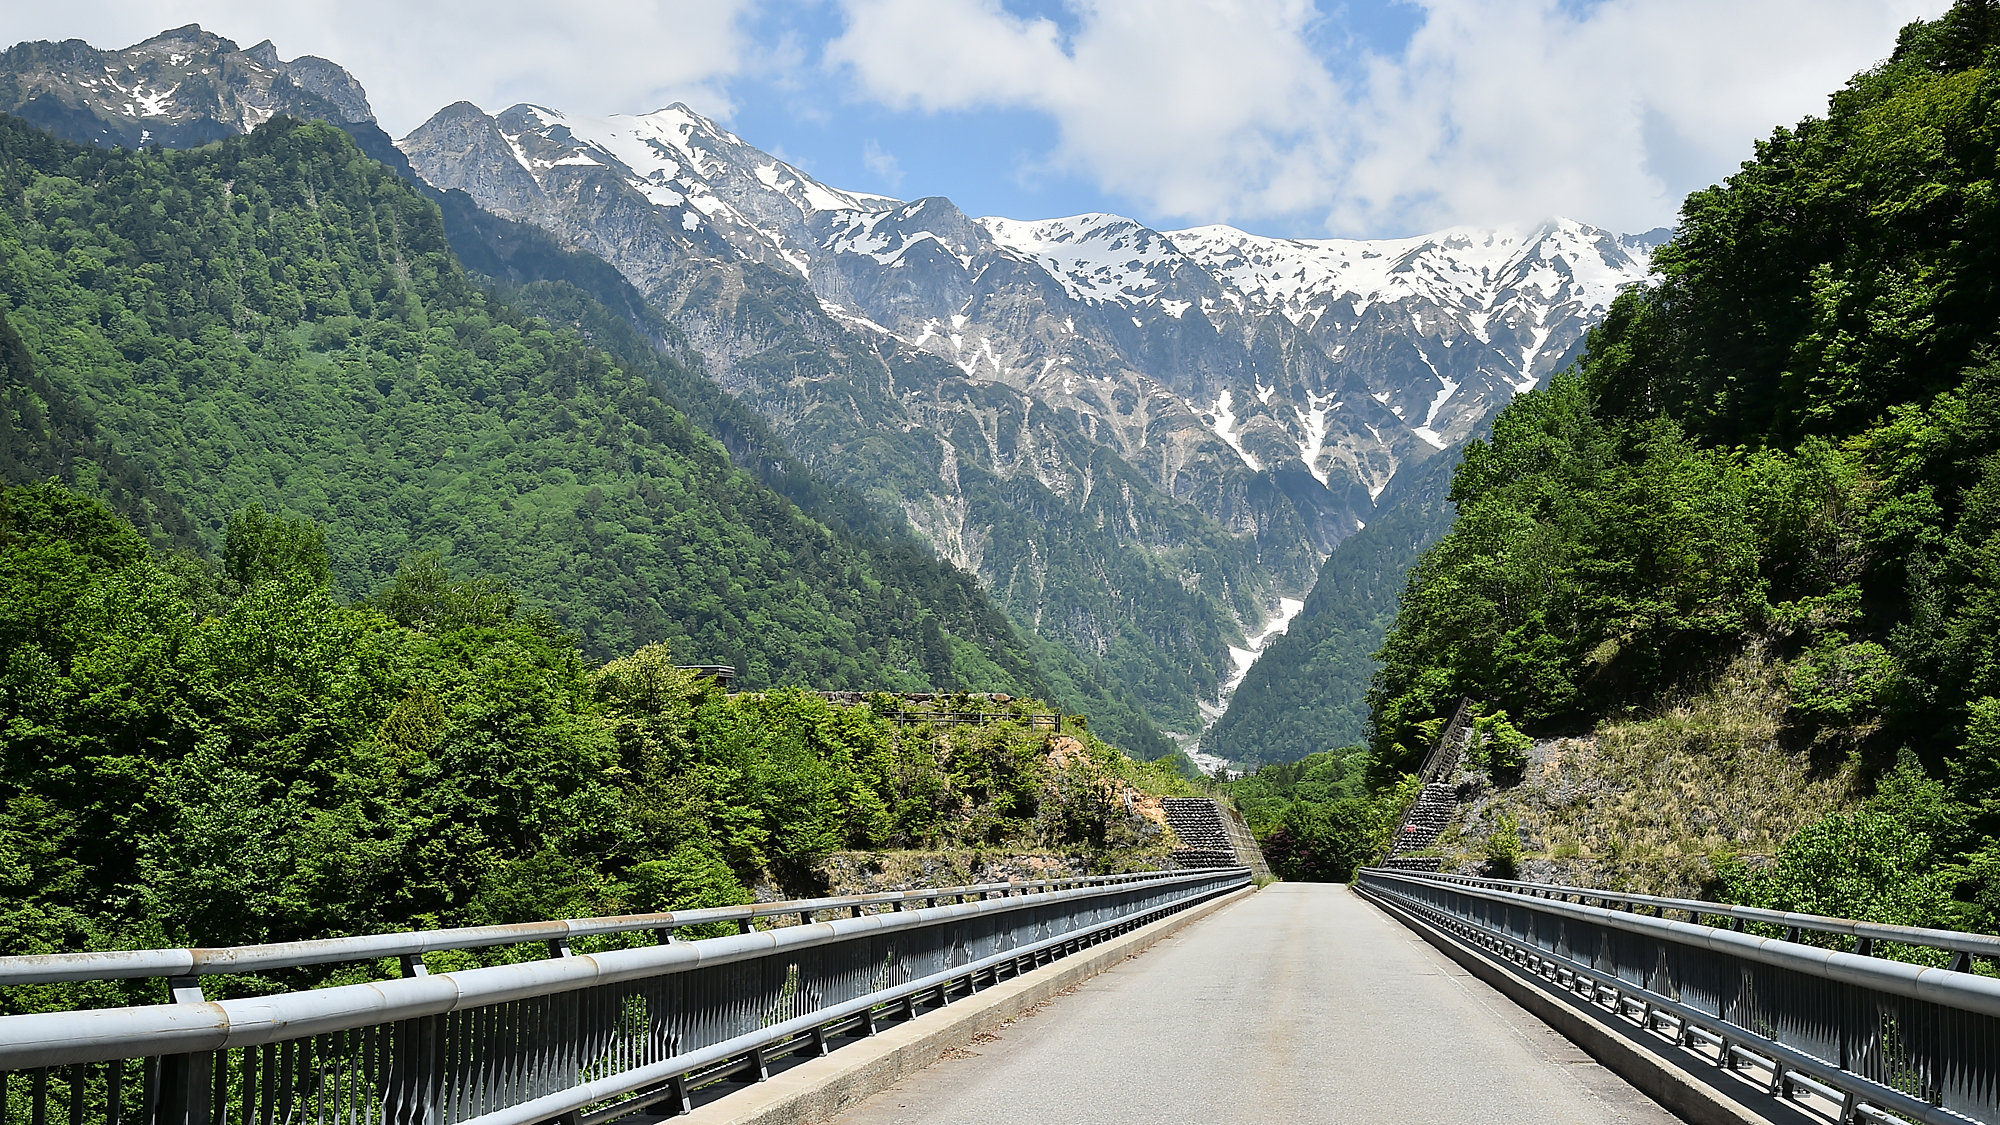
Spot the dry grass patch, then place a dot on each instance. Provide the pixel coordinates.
(1648, 805)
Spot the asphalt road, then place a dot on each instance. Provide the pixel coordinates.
(1300, 1004)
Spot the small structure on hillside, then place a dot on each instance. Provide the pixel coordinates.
(1212, 834)
(723, 674)
(1427, 816)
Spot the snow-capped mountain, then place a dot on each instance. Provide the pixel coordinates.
(1143, 442)
(1377, 342)
(181, 87)
(1214, 408)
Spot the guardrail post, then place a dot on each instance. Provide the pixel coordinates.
(677, 1091)
(181, 1089)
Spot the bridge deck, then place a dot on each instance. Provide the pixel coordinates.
(1301, 1004)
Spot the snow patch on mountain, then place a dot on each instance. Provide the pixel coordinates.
(1094, 257)
(1222, 419)
(1241, 661)
(1461, 268)
(1313, 419)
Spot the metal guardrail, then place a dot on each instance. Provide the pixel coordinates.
(584, 1039)
(178, 964)
(1443, 758)
(1885, 1039)
(1963, 946)
(1046, 720)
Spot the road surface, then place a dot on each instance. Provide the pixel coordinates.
(1301, 1003)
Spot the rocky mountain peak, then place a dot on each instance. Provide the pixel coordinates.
(1231, 401)
(1343, 358)
(182, 87)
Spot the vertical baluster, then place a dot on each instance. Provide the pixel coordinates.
(451, 1076)
(479, 1076)
(38, 1097)
(522, 1059)
(526, 1030)
(149, 1090)
(79, 1076)
(267, 1074)
(248, 1077)
(218, 1102)
(288, 1077)
(505, 1078)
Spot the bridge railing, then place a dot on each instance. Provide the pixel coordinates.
(582, 1038)
(1886, 1039)
(181, 964)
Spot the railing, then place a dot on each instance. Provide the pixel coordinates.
(178, 964)
(1886, 1039)
(586, 1038)
(1443, 758)
(1040, 720)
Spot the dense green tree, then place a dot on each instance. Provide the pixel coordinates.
(186, 758)
(258, 546)
(1789, 439)
(278, 320)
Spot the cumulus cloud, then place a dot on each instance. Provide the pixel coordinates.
(590, 55)
(1259, 112)
(1224, 110)
(882, 162)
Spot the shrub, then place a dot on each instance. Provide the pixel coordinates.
(1503, 848)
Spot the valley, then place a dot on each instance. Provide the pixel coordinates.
(1205, 414)
(1143, 444)
(371, 506)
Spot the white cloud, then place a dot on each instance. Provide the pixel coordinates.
(413, 58)
(1527, 110)
(882, 163)
(1221, 109)
(1196, 110)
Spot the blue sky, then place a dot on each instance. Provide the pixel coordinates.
(1289, 117)
(989, 161)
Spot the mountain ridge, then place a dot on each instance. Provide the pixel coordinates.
(1144, 443)
(1255, 421)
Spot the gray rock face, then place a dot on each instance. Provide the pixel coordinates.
(180, 88)
(1205, 410)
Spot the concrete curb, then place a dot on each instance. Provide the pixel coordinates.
(823, 1088)
(1658, 1077)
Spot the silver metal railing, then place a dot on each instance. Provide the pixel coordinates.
(178, 964)
(582, 1038)
(1885, 1039)
(1962, 947)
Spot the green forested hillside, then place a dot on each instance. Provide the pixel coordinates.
(277, 319)
(1792, 439)
(531, 272)
(1308, 691)
(213, 753)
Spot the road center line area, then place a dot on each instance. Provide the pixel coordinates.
(1301, 1003)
